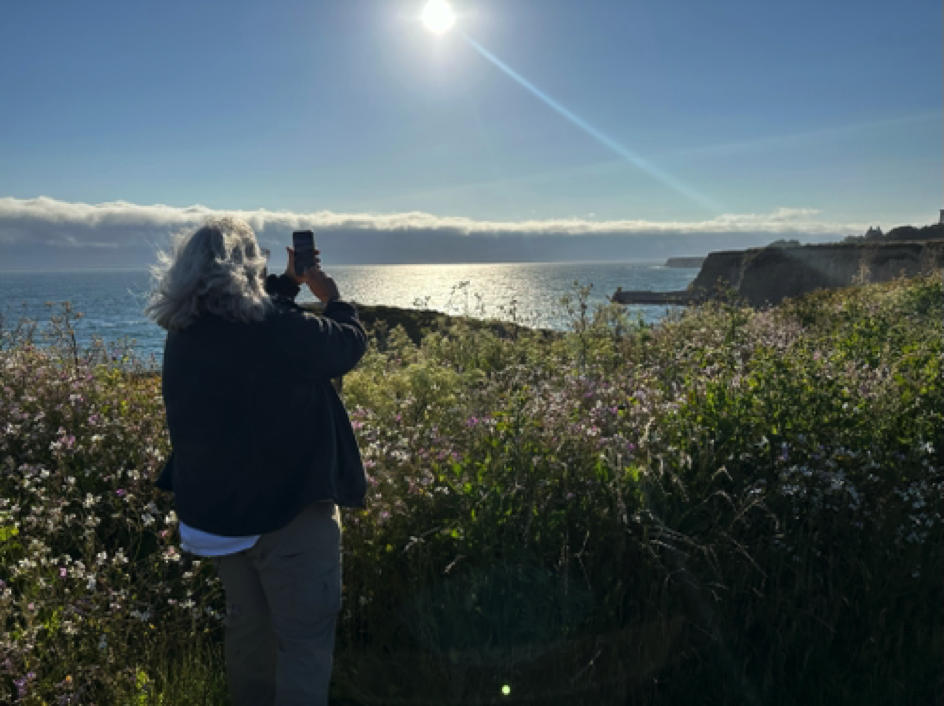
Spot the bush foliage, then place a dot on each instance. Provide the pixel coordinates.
(732, 506)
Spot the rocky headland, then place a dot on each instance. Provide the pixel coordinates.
(768, 275)
(763, 276)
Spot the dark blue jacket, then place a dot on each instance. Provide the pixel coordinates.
(258, 431)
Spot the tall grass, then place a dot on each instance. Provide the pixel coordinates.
(730, 507)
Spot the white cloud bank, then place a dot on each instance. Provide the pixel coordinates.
(44, 233)
(76, 224)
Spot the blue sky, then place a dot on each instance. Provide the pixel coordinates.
(353, 107)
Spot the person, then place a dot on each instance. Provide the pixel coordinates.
(263, 451)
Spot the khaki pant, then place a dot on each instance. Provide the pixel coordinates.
(282, 601)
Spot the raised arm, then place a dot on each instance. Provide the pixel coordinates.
(326, 345)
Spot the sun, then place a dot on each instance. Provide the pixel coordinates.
(438, 16)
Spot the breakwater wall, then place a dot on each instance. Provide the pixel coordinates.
(685, 262)
(647, 297)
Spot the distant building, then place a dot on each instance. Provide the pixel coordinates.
(873, 233)
(942, 216)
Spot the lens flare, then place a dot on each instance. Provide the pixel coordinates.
(624, 152)
(438, 16)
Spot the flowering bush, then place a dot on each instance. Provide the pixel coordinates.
(94, 593)
(731, 506)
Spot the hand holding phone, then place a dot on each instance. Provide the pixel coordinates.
(290, 266)
(303, 242)
(303, 267)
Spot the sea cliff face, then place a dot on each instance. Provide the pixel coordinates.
(769, 275)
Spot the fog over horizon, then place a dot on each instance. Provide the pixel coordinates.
(47, 234)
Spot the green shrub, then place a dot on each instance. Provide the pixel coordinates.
(730, 507)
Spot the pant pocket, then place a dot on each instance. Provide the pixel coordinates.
(316, 593)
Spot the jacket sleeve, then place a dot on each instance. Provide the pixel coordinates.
(326, 345)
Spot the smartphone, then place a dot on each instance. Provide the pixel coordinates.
(303, 243)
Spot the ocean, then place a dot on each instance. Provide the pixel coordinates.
(112, 301)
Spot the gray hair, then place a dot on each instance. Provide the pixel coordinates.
(218, 269)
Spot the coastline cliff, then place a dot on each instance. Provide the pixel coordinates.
(768, 275)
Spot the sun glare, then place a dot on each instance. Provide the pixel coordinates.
(438, 16)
